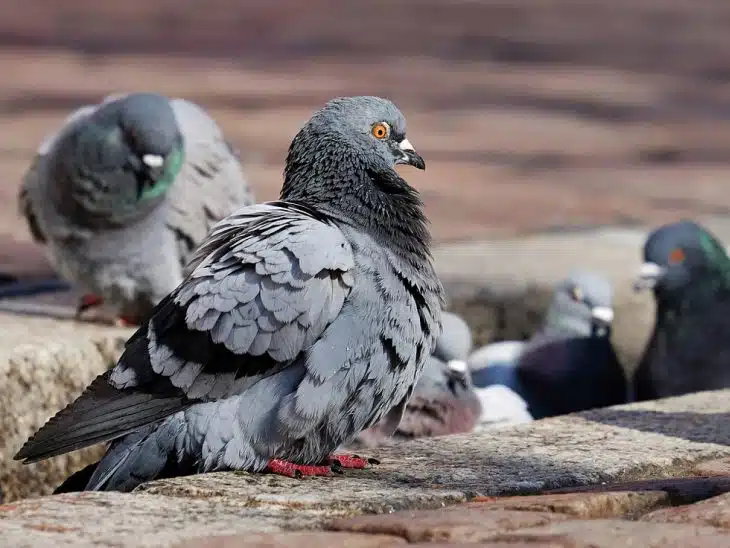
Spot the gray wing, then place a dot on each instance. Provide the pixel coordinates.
(271, 279)
(211, 184)
(32, 187)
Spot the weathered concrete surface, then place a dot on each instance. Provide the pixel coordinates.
(502, 287)
(45, 364)
(657, 439)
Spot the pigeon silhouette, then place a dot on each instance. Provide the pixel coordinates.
(124, 192)
(303, 322)
(569, 365)
(688, 270)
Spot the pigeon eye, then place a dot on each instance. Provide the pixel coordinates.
(381, 130)
(577, 294)
(676, 256)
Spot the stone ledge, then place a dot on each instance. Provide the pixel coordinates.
(45, 364)
(662, 439)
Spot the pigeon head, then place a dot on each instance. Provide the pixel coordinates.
(118, 163)
(581, 306)
(677, 255)
(455, 341)
(343, 161)
(148, 130)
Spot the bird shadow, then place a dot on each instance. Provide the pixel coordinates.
(688, 425)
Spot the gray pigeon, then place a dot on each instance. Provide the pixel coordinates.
(443, 401)
(688, 270)
(125, 191)
(304, 321)
(455, 341)
(570, 364)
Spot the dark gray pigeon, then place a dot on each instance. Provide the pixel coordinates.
(304, 322)
(444, 401)
(688, 270)
(125, 191)
(570, 364)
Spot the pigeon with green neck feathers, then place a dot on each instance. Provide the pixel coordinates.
(124, 192)
(688, 270)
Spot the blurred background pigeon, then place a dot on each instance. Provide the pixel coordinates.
(568, 365)
(688, 270)
(125, 191)
(444, 401)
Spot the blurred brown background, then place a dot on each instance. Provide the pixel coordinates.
(530, 114)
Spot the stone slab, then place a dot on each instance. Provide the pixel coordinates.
(608, 504)
(615, 533)
(659, 439)
(44, 365)
(473, 523)
(294, 540)
(714, 511)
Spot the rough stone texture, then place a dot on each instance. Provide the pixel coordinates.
(294, 540)
(44, 364)
(714, 511)
(473, 523)
(658, 439)
(581, 505)
(617, 533)
(719, 467)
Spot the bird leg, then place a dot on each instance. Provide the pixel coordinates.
(286, 468)
(86, 302)
(356, 462)
(125, 321)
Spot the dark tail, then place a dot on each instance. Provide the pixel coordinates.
(144, 455)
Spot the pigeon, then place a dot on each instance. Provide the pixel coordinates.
(569, 365)
(688, 270)
(124, 192)
(302, 322)
(455, 341)
(443, 401)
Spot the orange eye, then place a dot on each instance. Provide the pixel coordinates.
(676, 256)
(381, 130)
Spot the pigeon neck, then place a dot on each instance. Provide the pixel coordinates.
(382, 204)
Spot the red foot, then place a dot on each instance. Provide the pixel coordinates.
(124, 321)
(89, 301)
(351, 461)
(285, 468)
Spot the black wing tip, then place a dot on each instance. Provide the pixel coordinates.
(33, 449)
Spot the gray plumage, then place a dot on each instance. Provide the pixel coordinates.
(304, 321)
(125, 191)
(443, 401)
(688, 270)
(455, 341)
(569, 364)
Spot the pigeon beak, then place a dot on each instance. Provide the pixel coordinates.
(409, 155)
(649, 275)
(602, 314)
(153, 161)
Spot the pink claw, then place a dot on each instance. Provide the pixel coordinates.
(286, 468)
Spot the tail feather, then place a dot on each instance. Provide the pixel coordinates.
(101, 413)
(144, 455)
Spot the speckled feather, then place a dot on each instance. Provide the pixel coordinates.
(302, 323)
